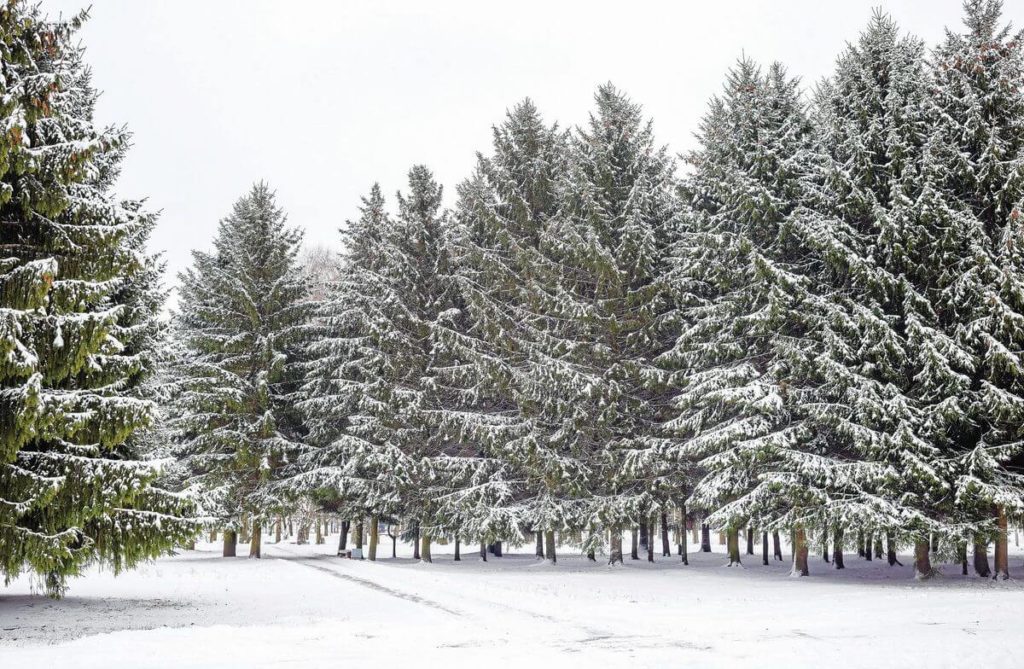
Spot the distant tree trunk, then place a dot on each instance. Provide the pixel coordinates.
(824, 546)
(319, 532)
(483, 551)
(878, 546)
(425, 548)
(705, 538)
(615, 552)
(1002, 554)
(374, 536)
(255, 543)
(922, 560)
(549, 546)
(860, 543)
(458, 555)
(837, 548)
(230, 539)
(935, 542)
(962, 552)
(890, 549)
(416, 542)
(243, 534)
(277, 530)
(764, 548)
(635, 554)
(540, 544)
(650, 538)
(343, 538)
(800, 567)
(290, 529)
(683, 556)
(981, 557)
(868, 547)
(358, 538)
(732, 538)
(644, 539)
(776, 545)
(496, 549)
(666, 546)
(750, 541)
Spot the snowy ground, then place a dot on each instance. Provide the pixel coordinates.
(300, 607)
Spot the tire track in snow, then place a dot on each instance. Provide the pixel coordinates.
(304, 561)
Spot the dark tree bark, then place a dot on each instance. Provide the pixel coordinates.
(764, 548)
(800, 567)
(824, 546)
(922, 560)
(750, 541)
(732, 539)
(705, 538)
(549, 546)
(358, 538)
(496, 549)
(1002, 554)
(615, 552)
(890, 549)
(425, 548)
(837, 548)
(860, 543)
(458, 555)
(416, 543)
(256, 540)
(634, 554)
(230, 540)
(962, 552)
(540, 544)
(777, 545)
(483, 551)
(981, 557)
(644, 539)
(878, 546)
(666, 545)
(277, 530)
(935, 542)
(868, 547)
(343, 539)
(374, 538)
(650, 539)
(394, 540)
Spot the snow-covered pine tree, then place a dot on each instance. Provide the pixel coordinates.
(873, 219)
(979, 156)
(747, 302)
(590, 383)
(242, 312)
(500, 274)
(78, 302)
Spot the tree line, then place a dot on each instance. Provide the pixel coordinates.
(812, 326)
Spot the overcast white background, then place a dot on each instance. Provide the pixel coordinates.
(321, 99)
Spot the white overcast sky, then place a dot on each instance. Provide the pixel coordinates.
(322, 98)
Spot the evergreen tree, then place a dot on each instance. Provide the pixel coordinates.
(78, 324)
(242, 312)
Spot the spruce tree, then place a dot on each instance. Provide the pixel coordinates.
(242, 313)
(78, 324)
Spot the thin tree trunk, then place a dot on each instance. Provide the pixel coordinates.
(634, 554)
(922, 560)
(824, 546)
(837, 548)
(425, 548)
(549, 546)
(458, 555)
(230, 539)
(666, 546)
(343, 539)
(319, 532)
(650, 538)
(868, 547)
(277, 531)
(750, 541)
(981, 557)
(860, 543)
(358, 538)
(540, 544)
(483, 551)
(732, 538)
(777, 545)
(644, 538)
(705, 538)
(255, 543)
(764, 548)
(890, 549)
(1002, 554)
(935, 542)
(615, 552)
(962, 551)
(374, 537)
(416, 543)
(800, 567)
(683, 553)
(878, 546)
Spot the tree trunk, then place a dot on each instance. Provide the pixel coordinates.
(255, 543)
(483, 551)
(549, 546)
(750, 541)
(777, 545)
(374, 537)
(358, 538)
(683, 553)
(615, 552)
(343, 539)
(922, 560)
(868, 547)
(1002, 555)
(644, 539)
(878, 546)
(962, 551)
(319, 532)
(860, 543)
(800, 567)
(981, 557)
(824, 546)
(764, 548)
(705, 538)
(634, 554)
(540, 544)
(277, 531)
(496, 550)
(650, 538)
(890, 549)
(416, 543)
(694, 527)
(732, 538)
(243, 533)
(666, 546)
(425, 548)
(837, 548)
(458, 555)
(935, 543)
(230, 539)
